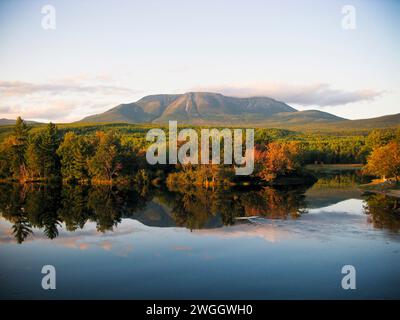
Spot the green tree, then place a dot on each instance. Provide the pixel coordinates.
(106, 162)
(18, 142)
(34, 159)
(74, 153)
(41, 154)
(379, 137)
(5, 167)
(48, 146)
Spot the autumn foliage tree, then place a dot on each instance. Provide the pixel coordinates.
(277, 159)
(385, 161)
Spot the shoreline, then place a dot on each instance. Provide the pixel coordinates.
(389, 188)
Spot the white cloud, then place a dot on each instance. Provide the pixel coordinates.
(319, 94)
(62, 100)
(18, 88)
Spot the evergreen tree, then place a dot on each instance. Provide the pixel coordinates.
(5, 165)
(48, 147)
(34, 157)
(74, 152)
(19, 141)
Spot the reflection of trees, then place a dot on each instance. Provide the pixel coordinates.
(31, 206)
(191, 208)
(229, 207)
(21, 227)
(195, 207)
(74, 210)
(42, 203)
(110, 204)
(12, 208)
(274, 203)
(383, 212)
(47, 206)
(106, 206)
(339, 180)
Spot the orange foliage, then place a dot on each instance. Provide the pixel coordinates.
(385, 161)
(279, 158)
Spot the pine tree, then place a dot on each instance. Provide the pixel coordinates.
(48, 146)
(74, 152)
(34, 157)
(19, 141)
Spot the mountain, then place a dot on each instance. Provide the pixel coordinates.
(392, 120)
(206, 108)
(6, 122)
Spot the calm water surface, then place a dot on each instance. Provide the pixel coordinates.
(181, 244)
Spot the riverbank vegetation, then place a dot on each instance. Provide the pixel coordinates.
(116, 154)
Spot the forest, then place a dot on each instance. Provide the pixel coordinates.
(116, 154)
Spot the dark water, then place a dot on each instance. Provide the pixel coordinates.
(192, 243)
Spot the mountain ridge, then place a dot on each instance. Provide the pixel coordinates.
(207, 108)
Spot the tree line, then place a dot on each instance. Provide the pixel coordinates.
(47, 155)
(116, 153)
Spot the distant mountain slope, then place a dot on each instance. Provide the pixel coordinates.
(387, 121)
(130, 112)
(6, 122)
(306, 116)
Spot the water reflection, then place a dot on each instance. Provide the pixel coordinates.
(383, 212)
(48, 207)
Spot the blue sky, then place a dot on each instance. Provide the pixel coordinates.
(103, 53)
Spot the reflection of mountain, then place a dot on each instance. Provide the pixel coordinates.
(155, 215)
